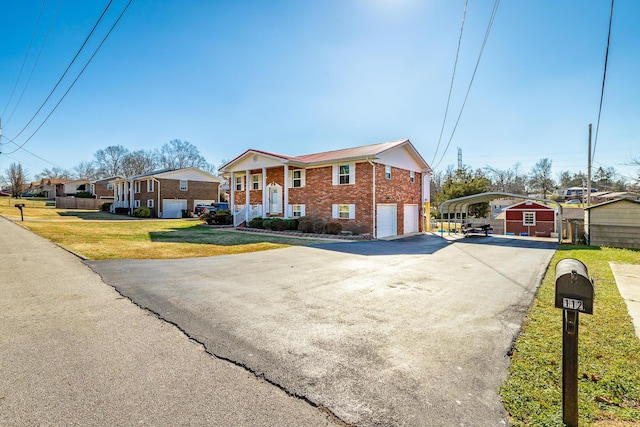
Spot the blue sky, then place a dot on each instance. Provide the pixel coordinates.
(303, 76)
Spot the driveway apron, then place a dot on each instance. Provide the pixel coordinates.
(411, 332)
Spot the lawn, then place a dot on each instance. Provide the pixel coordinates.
(101, 235)
(609, 352)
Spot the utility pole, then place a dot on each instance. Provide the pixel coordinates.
(589, 171)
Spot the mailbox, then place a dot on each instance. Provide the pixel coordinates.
(574, 289)
(19, 205)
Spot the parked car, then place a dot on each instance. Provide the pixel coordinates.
(213, 207)
(574, 202)
(3, 194)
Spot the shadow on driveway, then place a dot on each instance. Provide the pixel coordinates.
(427, 244)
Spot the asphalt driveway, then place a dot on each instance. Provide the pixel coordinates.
(409, 332)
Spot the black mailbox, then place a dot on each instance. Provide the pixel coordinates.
(19, 205)
(574, 289)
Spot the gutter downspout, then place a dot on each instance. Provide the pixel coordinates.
(131, 196)
(374, 231)
(158, 181)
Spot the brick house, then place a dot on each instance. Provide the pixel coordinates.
(167, 193)
(378, 189)
(529, 218)
(102, 189)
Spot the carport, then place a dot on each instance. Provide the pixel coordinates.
(461, 206)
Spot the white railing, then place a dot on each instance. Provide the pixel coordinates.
(240, 213)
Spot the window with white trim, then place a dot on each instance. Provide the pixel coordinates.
(239, 184)
(150, 186)
(412, 176)
(297, 211)
(136, 203)
(136, 187)
(110, 187)
(150, 203)
(344, 174)
(256, 181)
(387, 172)
(343, 211)
(183, 185)
(297, 178)
(529, 218)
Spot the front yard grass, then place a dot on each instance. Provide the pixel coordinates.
(609, 352)
(152, 239)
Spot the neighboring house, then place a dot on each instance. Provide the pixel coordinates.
(597, 198)
(378, 188)
(614, 224)
(572, 192)
(167, 193)
(529, 218)
(49, 187)
(72, 187)
(102, 189)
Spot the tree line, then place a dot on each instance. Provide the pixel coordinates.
(453, 183)
(117, 160)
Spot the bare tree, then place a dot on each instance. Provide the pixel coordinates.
(139, 162)
(540, 179)
(110, 161)
(17, 179)
(54, 172)
(86, 170)
(179, 154)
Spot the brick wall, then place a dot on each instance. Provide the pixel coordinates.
(170, 189)
(319, 195)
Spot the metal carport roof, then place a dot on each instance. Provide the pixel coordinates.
(461, 204)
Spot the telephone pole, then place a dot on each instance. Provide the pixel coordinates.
(589, 170)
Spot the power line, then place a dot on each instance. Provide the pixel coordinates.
(75, 80)
(44, 42)
(484, 42)
(65, 71)
(455, 66)
(24, 61)
(604, 78)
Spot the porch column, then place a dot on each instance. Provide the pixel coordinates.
(264, 192)
(247, 204)
(232, 191)
(285, 208)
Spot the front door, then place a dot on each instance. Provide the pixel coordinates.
(275, 199)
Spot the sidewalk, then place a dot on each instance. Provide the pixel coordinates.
(75, 352)
(628, 279)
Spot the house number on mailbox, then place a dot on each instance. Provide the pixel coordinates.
(572, 304)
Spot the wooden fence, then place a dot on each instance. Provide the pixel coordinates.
(78, 203)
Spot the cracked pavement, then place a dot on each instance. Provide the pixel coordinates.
(410, 332)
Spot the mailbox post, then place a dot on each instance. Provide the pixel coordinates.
(574, 294)
(20, 206)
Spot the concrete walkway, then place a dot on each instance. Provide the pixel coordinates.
(628, 279)
(75, 352)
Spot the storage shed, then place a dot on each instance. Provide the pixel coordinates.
(615, 224)
(529, 218)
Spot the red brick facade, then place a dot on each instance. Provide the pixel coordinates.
(319, 195)
(170, 189)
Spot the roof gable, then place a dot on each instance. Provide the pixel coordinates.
(611, 202)
(528, 205)
(253, 159)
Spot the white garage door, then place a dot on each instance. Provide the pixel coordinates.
(410, 219)
(387, 220)
(172, 208)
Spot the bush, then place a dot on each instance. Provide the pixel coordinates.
(333, 228)
(256, 223)
(106, 207)
(278, 225)
(292, 224)
(305, 225)
(221, 217)
(319, 227)
(142, 212)
(85, 195)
